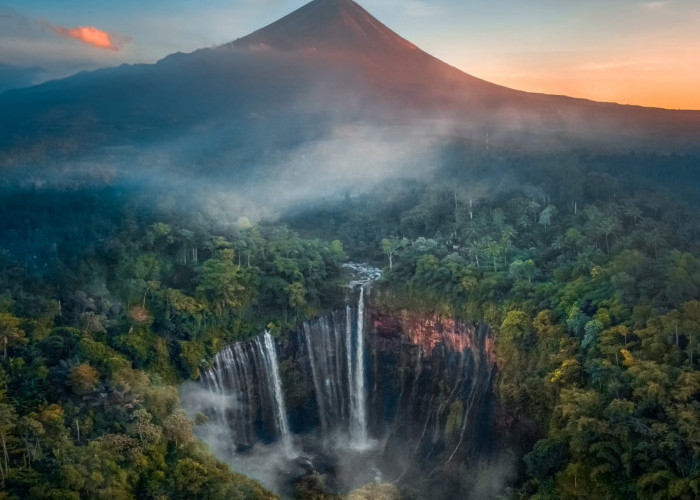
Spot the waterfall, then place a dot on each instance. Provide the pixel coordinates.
(246, 380)
(242, 365)
(356, 370)
(338, 345)
(324, 345)
(316, 376)
(348, 357)
(358, 417)
(416, 408)
(228, 378)
(276, 386)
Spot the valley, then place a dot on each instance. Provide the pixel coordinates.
(317, 262)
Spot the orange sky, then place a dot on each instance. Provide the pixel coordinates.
(644, 79)
(644, 52)
(630, 52)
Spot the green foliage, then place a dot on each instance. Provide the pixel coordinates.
(220, 283)
(192, 355)
(589, 282)
(517, 328)
(596, 320)
(86, 409)
(10, 331)
(546, 458)
(83, 378)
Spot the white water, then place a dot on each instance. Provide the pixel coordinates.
(244, 398)
(356, 371)
(236, 389)
(232, 391)
(348, 355)
(279, 406)
(316, 377)
(358, 417)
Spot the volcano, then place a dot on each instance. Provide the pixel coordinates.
(339, 25)
(327, 67)
(342, 32)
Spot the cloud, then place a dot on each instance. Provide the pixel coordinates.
(93, 36)
(30, 42)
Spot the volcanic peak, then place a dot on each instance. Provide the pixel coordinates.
(334, 25)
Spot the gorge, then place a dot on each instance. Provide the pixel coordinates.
(181, 317)
(354, 396)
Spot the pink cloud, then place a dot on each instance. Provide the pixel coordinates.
(92, 36)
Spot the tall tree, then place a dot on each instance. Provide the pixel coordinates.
(390, 246)
(10, 331)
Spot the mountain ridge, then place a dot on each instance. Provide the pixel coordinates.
(323, 67)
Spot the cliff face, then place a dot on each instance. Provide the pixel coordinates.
(429, 331)
(432, 379)
(428, 387)
(367, 394)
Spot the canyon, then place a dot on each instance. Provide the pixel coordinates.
(355, 396)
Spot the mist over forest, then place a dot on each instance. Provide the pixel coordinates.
(318, 262)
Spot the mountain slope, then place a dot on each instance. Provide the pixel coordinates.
(325, 67)
(330, 24)
(341, 31)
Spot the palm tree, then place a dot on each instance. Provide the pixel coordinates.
(508, 233)
(602, 225)
(606, 226)
(493, 249)
(473, 250)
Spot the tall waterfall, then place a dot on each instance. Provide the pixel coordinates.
(356, 371)
(348, 356)
(245, 378)
(274, 379)
(358, 416)
(333, 399)
(336, 353)
(328, 345)
(229, 378)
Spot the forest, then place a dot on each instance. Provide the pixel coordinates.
(585, 268)
(94, 346)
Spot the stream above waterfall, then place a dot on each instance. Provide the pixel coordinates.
(354, 396)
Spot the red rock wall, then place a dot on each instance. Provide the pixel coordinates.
(429, 331)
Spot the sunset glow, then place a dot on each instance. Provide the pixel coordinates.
(88, 34)
(642, 79)
(350, 249)
(643, 53)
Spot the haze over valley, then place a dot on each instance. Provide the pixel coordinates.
(318, 262)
